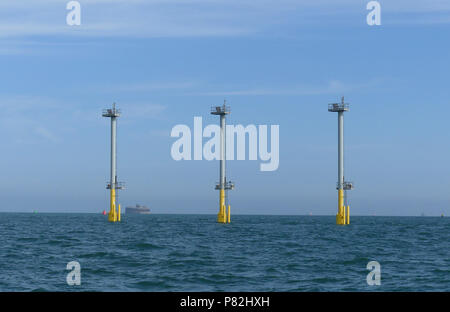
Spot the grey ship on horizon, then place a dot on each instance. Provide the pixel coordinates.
(138, 209)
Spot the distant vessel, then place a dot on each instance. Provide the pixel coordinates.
(138, 209)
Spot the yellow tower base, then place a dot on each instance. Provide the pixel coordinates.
(222, 215)
(113, 216)
(342, 217)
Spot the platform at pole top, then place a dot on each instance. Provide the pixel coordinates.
(338, 107)
(119, 185)
(111, 112)
(228, 185)
(220, 110)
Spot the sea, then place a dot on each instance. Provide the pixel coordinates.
(159, 253)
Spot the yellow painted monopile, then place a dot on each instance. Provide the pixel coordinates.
(112, 216)
(340, 217)
(222, 215)
(343, 215)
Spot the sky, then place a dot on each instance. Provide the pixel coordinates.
(275, 62)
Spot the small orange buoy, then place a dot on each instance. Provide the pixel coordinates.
(104, 212)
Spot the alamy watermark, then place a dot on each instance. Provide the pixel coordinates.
(73, 18)
(258, 143)
(374, 276)
(374, 16)
(74, 276)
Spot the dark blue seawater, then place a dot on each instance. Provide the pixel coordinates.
(194, 253)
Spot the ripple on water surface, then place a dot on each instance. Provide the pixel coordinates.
(194, 253)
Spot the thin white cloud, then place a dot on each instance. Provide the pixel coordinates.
(143, 110)
(160, 133)
(332, 87)
(150, 86)
(196, 18)
(30, 119)
(20, 104)
(47, 134)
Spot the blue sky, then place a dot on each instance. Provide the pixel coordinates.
(276, 62)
